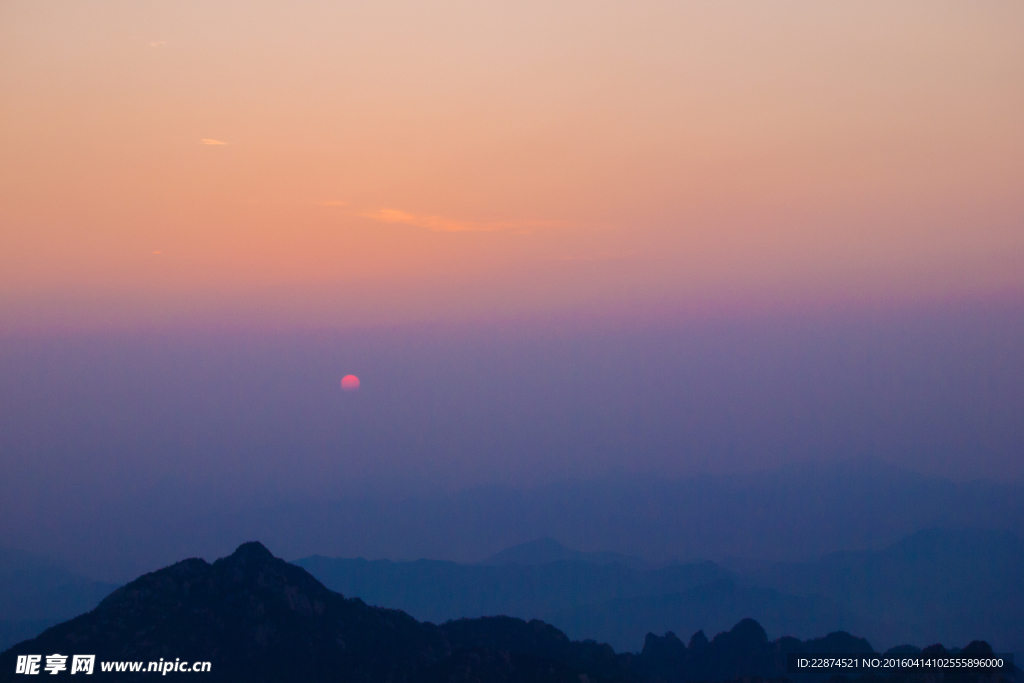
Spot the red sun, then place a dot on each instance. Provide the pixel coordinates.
(349, 382)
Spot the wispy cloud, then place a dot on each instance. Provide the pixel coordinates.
(442, 224)
(593, 258)
(211, 141)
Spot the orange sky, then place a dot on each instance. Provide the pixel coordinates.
(325, 163)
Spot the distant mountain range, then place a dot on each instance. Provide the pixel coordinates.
(439, 591)
(774, 534)
(789, 514)
(944, 586)
(934, 586)
(256, 618)
(36, 593)
(548, 550)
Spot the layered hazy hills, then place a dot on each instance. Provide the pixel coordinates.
(438, 591)
(36, 593)
(934, 586)
(548, 550)
(256, 618)
(789, 514)
(787, 523)
(947, 586)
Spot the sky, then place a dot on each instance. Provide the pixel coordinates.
(553, 239)
(122, 453)
(334, 165)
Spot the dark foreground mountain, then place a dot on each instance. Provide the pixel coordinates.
(257, 618)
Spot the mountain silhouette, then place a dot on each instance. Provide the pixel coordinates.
(36, 593)
(257, 618)
(439, 591)
(933, 586)
(625, 621)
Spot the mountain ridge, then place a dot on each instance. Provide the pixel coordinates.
(547, 550)
(257, 618)
(879, 597)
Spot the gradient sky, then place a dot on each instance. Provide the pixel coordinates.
(131, 447)
(553, 239)
(332, 164)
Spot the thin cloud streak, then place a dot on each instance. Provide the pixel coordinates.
(442, 224)
(596, 258)
(211, 141)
